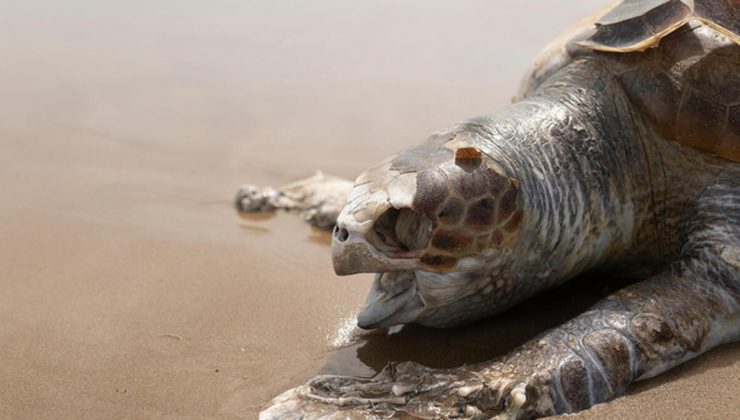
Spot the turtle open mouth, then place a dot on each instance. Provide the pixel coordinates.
(401, 233)
(393, 299)
(395, 241)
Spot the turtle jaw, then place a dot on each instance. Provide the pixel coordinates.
(352, 254)
(431, 299)
(360, 245)
(394, 299)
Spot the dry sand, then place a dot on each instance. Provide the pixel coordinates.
(131, 288)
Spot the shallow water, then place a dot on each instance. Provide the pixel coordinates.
(132, 288)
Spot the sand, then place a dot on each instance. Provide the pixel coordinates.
(130, 286)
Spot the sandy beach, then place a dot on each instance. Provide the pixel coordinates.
(132, 288)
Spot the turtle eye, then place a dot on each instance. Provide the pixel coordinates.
(398, 232)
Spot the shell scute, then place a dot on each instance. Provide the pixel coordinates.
(481, 213)
(698, 122)
(653, 92)
(431, 191)
(452, 211)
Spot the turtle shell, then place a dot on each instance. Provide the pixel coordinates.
(678, 60)
(635, 25)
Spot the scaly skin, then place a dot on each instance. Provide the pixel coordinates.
(596, 187)
(637, 333)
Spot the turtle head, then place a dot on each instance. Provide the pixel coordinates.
(428, 221)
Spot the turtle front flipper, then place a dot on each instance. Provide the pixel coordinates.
(318, 199)
(636, 333)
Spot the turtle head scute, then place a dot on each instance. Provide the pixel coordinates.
(423, 221)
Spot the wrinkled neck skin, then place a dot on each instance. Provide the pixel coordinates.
(594, 187)
(581, 169)
(600, 189)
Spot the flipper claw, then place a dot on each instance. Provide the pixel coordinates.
(319, 198)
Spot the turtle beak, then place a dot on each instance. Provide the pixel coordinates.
(355, 248)
(352, 253)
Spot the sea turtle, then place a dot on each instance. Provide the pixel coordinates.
(620, 154)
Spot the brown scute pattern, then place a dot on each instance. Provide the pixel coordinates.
(430, 191)
(481, 213)
(451, 240)
(688, 88)
(452, 211)
(507, 204)
(469, 184)
(496, 238)
(482, 242)
(685, 308)
(471, 207)
(497, 183)
(467, 222)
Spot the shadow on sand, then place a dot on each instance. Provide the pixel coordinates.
(475, 342)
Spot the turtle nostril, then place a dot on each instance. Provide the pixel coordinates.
(340, 234)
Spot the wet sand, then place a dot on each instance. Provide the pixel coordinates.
(130, 286)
